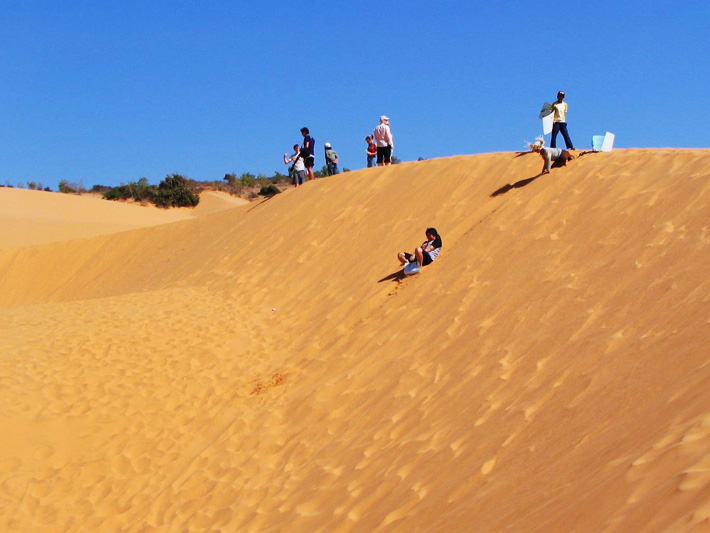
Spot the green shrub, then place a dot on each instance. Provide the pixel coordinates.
(66, 187)
(174, 191)
(139, 191)
(247, 179)
(269, 190)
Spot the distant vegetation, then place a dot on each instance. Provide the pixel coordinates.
(176, 190)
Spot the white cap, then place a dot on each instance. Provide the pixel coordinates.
(327, 145)
(384, 118)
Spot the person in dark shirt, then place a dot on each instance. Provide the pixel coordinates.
(307, 152)
(426, 253)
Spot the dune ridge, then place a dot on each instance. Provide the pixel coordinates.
(265, 368)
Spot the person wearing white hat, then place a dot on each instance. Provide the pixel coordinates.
(331, 159)
(384, 141)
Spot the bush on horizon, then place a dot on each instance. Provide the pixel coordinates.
(139, 191)
(269, 190)
(71, 188)
(174, 191)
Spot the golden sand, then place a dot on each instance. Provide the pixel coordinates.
(264, 367)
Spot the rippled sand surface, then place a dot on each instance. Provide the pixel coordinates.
(265, 367)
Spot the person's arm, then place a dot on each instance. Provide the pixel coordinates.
(547, 161)
(287, 159)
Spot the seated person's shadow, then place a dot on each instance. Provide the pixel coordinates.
(522, 183)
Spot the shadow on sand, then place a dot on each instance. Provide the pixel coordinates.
(395, 276)
(522, 183)
(517, 185)
(262, 202)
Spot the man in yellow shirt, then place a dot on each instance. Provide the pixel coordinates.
(559, 124)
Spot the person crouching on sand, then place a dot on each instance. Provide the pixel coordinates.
(558, 156)
(426, 253)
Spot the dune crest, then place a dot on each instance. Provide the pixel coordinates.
(29, 218)
(267, 368)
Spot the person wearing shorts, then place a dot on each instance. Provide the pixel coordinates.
(307, 152)
(426, 253)
(299, 169)
(384, 142)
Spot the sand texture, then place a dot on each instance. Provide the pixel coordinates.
(265, 367)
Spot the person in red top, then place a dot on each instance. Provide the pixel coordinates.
(371, 151)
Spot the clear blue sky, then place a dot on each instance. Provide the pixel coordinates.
(109, 92)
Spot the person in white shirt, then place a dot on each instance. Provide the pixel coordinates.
(299, 168)
(384, 142)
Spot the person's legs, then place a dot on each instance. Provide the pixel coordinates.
(404, 257)
(568, 141)
(419, 255)
(370, 161)
(381, 156)
(388, 155)
(555, 131)
(309, 167)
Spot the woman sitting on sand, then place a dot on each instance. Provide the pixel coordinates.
(426, 253)
(550, 155)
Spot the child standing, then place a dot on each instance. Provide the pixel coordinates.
(371, 151)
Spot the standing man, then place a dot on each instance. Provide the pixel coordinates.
(384, 141)
(307, 152)
(331, 159)
(559, 124)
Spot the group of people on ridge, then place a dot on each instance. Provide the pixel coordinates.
(379, 148)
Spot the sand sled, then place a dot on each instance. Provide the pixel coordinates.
(411, 268)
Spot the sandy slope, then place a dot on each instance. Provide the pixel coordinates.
(38, 217)
(264, 368)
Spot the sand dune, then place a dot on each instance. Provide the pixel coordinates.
(38, 217)
(265, 367)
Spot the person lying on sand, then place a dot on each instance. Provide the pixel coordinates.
(426, 253)
(550, 155)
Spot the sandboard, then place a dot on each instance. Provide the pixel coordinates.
(608, 143)
(546, 110)
(547, 117)
(411, 268)
(547, 125)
